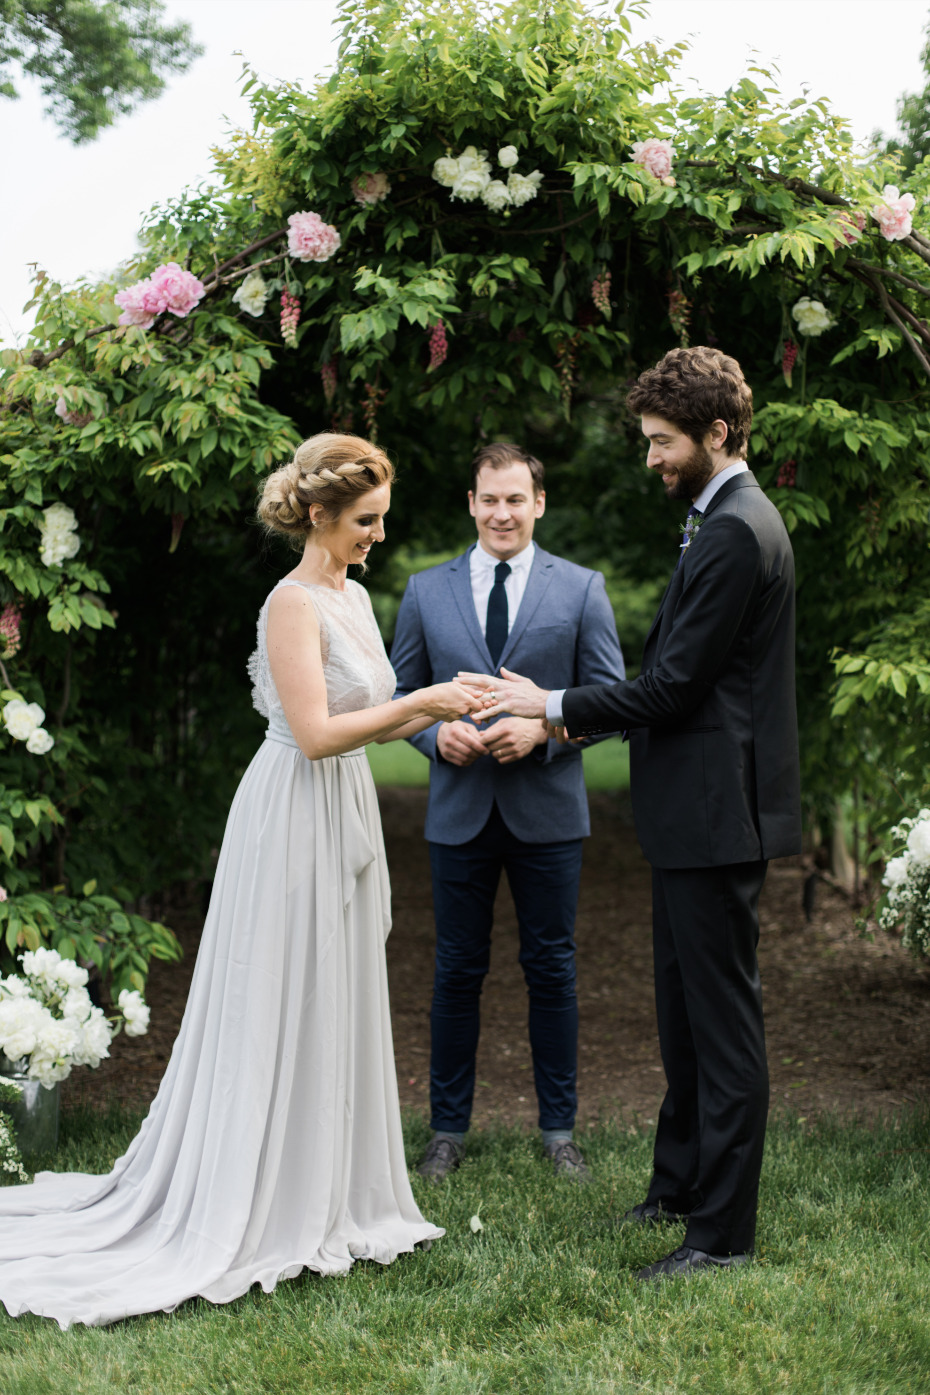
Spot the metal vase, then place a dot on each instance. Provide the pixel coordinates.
(35, 1113)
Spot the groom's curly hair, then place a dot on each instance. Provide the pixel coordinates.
(693, 388)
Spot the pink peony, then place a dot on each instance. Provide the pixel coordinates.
(175, 289)
(655, 156)
(852, 226)
(894, 215)
(3, 893)
(310, 239)
(138, 304)
(370, 188)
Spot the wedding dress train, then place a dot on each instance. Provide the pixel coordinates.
(274, 1142)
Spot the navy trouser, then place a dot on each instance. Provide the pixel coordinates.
(544, 881)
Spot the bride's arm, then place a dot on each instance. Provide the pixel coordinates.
(297, 668)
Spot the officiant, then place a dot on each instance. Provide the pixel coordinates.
(505, 798)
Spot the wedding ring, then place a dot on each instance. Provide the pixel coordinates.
(492, 695)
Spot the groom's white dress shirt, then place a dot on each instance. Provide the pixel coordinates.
(482, 566)
(739, 467)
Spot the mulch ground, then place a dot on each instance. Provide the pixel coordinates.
(848, 1019)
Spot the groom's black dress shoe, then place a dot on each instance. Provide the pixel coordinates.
(442, 1156)
(687, 1261)
(652, 1213)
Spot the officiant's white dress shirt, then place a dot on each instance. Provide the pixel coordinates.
(482, 566)
(739, 467)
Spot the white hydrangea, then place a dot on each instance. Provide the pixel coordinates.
(918, 840)
(253, 294)
(507, 156)
(135, 1011)
(896, 871)
(59, 535)
(496, 196)
(21, 719)
(40, 742)
(811, 317)
(445, 171)
(473, 175)
(523, 187)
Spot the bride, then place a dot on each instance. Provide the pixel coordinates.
(274, 1142)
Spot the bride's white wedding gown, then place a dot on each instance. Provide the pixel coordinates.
(274, 1142)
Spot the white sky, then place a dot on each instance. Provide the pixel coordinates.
(75, 211)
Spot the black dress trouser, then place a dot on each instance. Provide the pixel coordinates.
(711, 1132)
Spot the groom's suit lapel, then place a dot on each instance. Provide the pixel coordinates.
(747, 480)
(537, 584)
(460, 583)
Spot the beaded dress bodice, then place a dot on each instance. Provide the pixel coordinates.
(355, 667)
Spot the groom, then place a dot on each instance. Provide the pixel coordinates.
(715, 786)
(505, 798)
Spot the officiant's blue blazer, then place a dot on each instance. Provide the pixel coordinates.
(562, 635)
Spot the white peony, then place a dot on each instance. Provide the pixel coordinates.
(811, 317)
(14, 987)
(507, 156)
(76, 1004)
(523, 187)
(71, 974)
(896, 871)
(39, 742)
(918, 841)
(135, 1011)
(21, 1021)
(21, 719)
(94, 1042)
(496, 195)
(59, 535)
(445, 171)
(473, 175)
(41, 963)
(253, 294)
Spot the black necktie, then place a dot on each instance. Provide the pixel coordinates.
(692, 523)
(497, 626)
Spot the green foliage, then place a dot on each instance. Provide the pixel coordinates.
(136, 646)
(913, 113)
(94, 61)
(542, 1300)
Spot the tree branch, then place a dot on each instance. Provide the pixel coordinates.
(886, 271)
(895, 318)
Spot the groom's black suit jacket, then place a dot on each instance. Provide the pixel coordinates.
(712, 717)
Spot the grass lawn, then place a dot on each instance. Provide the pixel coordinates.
(542, 1300)
(606, 765)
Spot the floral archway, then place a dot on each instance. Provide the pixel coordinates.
(484, 223)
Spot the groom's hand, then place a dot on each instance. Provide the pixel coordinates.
(459, 743)
(512, 738)
(508, 693)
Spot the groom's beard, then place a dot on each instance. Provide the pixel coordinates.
(691, 476)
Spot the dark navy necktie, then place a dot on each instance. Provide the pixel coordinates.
(692, 523)
(498, 619)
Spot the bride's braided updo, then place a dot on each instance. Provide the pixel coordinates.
(330, 469)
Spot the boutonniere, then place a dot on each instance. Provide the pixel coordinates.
(689, 528)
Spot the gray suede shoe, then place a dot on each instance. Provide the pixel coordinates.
(442, 1156)
(567, 1161)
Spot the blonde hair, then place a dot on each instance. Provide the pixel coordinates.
(330, 469)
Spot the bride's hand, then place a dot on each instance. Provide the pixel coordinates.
(446, 702)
